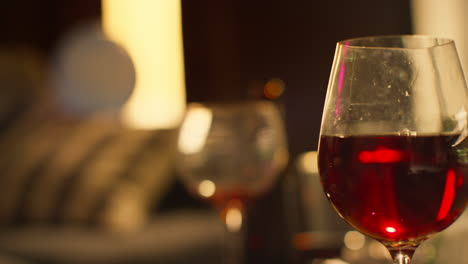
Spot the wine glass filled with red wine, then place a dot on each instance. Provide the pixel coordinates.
(393, 149)
(230, 153)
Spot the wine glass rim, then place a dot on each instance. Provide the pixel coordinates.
(436, 42)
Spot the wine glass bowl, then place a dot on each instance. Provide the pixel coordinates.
(231, 150)
(230, 154)
(393, 153)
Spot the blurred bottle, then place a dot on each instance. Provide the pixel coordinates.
(316, 231)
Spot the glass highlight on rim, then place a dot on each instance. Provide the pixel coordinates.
(396, 42)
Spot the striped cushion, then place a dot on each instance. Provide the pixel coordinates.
(89, 172)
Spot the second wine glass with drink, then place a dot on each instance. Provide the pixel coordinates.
(229, 155)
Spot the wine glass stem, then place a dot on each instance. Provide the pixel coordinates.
(402, 259)
(234, 247)
(402, 256)
(234, 224)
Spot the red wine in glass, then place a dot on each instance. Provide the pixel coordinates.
(395, 188)
(393, 153)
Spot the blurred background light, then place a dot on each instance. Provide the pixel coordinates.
(234, 219)
(207, 188)
(354, 240)
(194, 130)
(443, 19)
(308, 162)
(89, 73)
(151, 32)
(274, 88)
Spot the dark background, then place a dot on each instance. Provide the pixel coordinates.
(232, 47)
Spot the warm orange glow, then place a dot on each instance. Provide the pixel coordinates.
(381, 156)
(273, 89)
(302, 241)
(151, 32)
(448, 197)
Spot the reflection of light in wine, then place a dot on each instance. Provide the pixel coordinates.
(233, 219)
(206, 188)
(381, 156)
(449, 195)
(354, 240)
(390, 229)
(194, 130)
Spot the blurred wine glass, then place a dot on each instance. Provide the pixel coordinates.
(230, 154)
